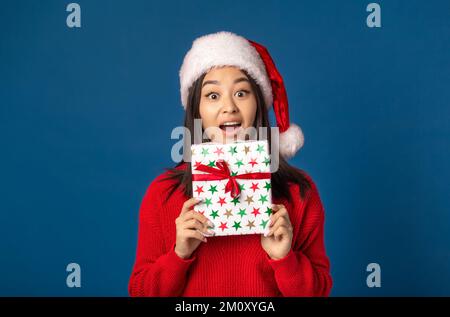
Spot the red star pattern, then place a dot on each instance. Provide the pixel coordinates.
(218, 151)
(223, 226)
(221, 201)
(218, 202)
(254, 187)
(253, 162)
(199, 189)
(255, 211)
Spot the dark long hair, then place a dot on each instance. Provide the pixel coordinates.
(280, 179)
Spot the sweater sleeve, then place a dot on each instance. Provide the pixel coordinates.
(157, 271)
(304, 271)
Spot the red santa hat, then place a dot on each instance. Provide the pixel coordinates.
(229, 49)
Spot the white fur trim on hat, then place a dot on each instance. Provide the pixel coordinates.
(291, 141)
(223, 49)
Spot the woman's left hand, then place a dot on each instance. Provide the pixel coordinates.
(278, 242)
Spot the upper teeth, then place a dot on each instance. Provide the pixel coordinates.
(231, 123)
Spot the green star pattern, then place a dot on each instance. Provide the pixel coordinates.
(235, 201)
(232, 150)
(262, 198)
(264, 223)
(242, 212)
(212, 163)
(208, 202)
(239, 160)
(214, 214)
(212, 189)
(239, 163)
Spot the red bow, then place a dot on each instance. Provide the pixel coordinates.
(223, 172)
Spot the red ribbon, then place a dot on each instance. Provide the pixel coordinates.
(223, 172)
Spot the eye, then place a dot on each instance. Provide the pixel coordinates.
(242, 93)
(212, 95)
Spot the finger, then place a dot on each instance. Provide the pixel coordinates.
(188, 204)
(194, 234)
(192, 224)
(280, 232)
(191, 214)
(280, 221)
(277, 207)
(195, 224)
(281, 213)
(273, 229)
(277, 226)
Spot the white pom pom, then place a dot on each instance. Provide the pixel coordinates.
(291, 141)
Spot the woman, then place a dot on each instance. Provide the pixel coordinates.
(229, 82)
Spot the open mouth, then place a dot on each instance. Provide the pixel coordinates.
(230, 125)
(230, 128)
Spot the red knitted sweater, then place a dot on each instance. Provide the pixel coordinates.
(230, 266)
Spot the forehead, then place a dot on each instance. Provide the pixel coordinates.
(224, 72)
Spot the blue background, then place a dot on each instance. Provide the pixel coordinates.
(86, 116)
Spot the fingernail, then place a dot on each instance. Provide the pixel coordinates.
(210, 224)
(199, 199)
(205, 240)
(209, 231)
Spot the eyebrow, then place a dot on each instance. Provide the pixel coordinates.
(216, 82)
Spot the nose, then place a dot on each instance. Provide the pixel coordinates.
(229, 106)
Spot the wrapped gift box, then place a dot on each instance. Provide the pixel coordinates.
(233, 180)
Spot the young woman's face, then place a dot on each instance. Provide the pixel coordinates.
(227, 103)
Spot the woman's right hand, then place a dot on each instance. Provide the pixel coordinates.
(191, 228)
